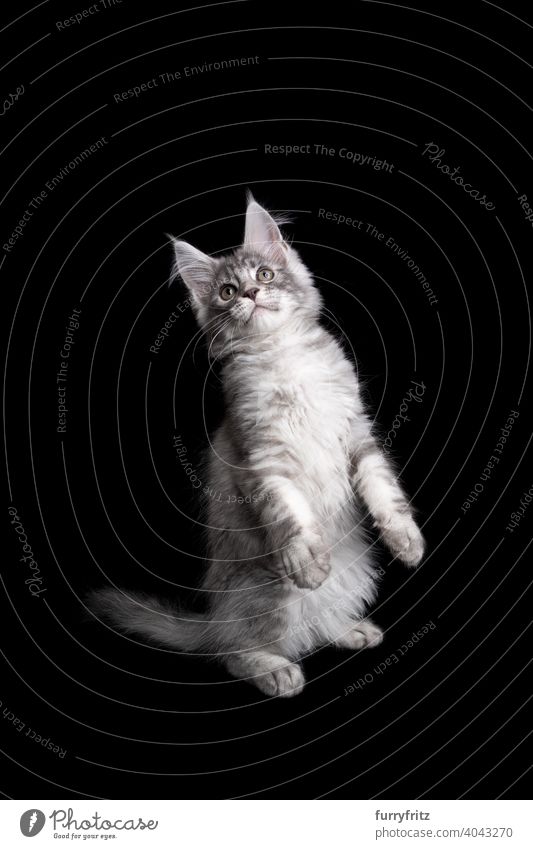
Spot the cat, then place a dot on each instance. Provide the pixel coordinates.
(290, 567)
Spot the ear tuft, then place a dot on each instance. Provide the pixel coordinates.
(262, 233)
(195, 268)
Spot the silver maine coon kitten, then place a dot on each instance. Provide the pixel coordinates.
(290, 568)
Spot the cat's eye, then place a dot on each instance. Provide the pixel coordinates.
(227, 292)
(265, 275)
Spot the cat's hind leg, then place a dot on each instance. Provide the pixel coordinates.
(364, 634)
(271, 673)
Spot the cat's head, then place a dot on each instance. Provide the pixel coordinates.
(259, 288)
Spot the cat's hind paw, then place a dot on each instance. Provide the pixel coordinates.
(285, 682)
(363, 635)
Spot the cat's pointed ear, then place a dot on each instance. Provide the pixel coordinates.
(195, 268)
(262, 233)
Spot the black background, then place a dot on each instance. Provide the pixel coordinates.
(107, 502)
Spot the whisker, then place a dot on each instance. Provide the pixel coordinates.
(198, 335)
(206, 330)
(219, 331)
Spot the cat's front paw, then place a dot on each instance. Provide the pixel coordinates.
(305, 562)
(402, 537)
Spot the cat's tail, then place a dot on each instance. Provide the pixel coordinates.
(157, 621)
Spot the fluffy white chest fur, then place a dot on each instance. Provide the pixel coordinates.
(300, 408)
(300, 403)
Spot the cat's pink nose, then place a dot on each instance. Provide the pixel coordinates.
(251, 293)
